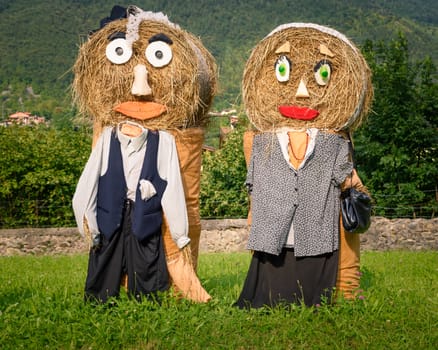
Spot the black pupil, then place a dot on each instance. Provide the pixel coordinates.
(119, 51)
(159, 54)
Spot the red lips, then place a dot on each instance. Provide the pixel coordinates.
(300, 113)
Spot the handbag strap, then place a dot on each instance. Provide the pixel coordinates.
(351, 149)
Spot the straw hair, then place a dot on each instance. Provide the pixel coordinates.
(186, 86)
(342, 104)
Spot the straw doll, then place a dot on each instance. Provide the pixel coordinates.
(138, 77)
(305, 88)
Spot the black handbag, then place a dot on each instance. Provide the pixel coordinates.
(356, 210)
(355, 207)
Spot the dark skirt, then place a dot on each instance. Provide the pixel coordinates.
(286, 279)
(144, 263)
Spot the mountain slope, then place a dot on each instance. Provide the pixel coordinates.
(39, 39)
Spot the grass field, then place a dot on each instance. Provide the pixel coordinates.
(41, 307)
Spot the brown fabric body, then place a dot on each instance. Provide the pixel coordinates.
(189, 146)
(297, 147)
(347, 283)
(349, 250)
(182, 267)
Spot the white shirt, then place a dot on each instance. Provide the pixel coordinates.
(173, 201)
(133, 150)
(283, 139)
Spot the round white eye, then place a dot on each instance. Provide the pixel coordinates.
(282, 69)
(118, 51)
(159, 54)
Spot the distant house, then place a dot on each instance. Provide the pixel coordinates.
(23, 118)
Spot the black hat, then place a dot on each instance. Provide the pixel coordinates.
(118, 12)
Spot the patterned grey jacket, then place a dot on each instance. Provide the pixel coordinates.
(307, 198)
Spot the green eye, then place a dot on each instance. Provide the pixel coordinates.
(322, 72)
(282, 69)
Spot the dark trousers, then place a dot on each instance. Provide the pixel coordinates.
(143, 262)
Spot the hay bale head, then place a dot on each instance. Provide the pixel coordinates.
(140, 65)
(305, 75)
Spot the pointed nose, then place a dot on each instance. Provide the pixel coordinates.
(140, 86)
(302, 90)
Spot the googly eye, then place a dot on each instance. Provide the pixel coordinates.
(158, 53)
(282, 69)
(118, 51)
(323, 71)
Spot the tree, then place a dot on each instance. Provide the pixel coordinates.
(396, 149)
(39, 169)
(223, 192)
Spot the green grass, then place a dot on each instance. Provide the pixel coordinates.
(41, 306)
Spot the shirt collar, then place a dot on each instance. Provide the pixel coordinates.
(283, 136)
(283, 139)
(135, 142)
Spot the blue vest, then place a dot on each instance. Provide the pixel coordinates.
(147, 215)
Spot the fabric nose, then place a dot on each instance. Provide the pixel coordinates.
(140, 86)
(302, 90)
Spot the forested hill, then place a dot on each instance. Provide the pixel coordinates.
(39, 39)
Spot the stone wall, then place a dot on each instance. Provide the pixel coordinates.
(225, 236)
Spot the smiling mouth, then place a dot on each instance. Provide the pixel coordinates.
(300, 113)
(141, 110)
